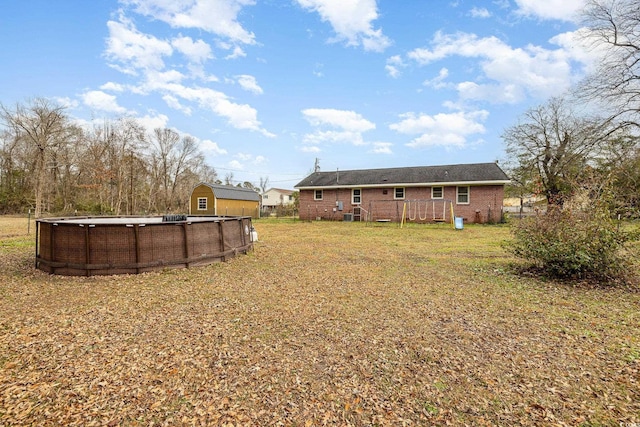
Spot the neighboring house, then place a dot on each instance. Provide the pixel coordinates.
(474, 192)
(224, 200)
(275, 197)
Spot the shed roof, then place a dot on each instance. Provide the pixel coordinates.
(475, 173)
(230, 192)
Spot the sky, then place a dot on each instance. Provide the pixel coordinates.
(266, 87)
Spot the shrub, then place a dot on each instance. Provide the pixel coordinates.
(577, 244)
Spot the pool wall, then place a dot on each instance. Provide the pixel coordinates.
(90, 246)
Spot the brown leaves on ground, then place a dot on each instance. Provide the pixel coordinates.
(323, 324)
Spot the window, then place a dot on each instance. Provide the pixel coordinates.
(437, 192)
(398, 193)
(317, 195)
(356, 196)
(202, 203)
(462, 195)
(266, 196)
(290, 198)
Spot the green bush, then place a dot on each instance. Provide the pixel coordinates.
(576, 244)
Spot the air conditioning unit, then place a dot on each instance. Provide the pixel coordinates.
(348, 217)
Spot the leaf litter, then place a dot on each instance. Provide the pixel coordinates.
(322, 324)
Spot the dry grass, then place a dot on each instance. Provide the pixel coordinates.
(323, 324)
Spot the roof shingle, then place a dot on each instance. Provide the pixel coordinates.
(463, 173)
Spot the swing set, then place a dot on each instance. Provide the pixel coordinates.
(413, 211)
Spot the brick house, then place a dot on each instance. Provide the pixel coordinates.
(474, 192)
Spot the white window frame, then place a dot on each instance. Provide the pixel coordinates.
(316, 193)
(206, 203)
(395, 193)
(433, 196)
(458, 194)
(353, 196)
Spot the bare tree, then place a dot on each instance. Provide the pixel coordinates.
(174, 160)
(552, 145)
(613, 29)
(264, 184)
(42, 126)
(14, 185)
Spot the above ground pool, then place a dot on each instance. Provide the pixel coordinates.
(87, 246)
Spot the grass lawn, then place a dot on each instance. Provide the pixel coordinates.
(322, 324)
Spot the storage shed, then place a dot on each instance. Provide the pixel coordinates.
(224, 200)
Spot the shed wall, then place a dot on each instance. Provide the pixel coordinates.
(226, 207)
(202, 191)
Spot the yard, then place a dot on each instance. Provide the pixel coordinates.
(322, 324)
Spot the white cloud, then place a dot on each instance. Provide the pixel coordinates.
(235, 164)
(174, 103)
(565, 10)
(479, 12)
(242, 159)
(577, 47)
(310, 149)
(394, 64)
(438, 81)
(153, 122)
(210, 147)
(67, 102)
(443, 129)
(160, 79)
(135, 53)
(130, 50)
(347, 120)
(99, 100)
(238, 52)
(352, 21)
(244, 156)
(113, 87)
(249, 83)
(335, 127)
(335, 137)
(197, 51)
(215, 16)
(240, 116)
(510, 73)
(382, 148)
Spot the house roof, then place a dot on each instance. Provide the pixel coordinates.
(230, 192)
(281, 190)
(463, 174)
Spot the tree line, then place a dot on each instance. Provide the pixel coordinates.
(50, 164)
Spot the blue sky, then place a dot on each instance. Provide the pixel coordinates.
(268, 86)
